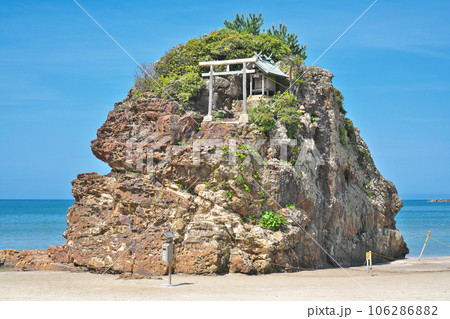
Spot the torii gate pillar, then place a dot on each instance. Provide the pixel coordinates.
(244, 118)
(209, 117)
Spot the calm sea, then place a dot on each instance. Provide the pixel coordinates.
(416, 218)
(31, 224)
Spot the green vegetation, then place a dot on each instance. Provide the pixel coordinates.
(285, 162)
(291, 39)
(182, 143)
(295, 68)
(313, 118)
(180, 87)
(226, 149)
(263, 115)
(349, 126)
(290, 206)
(251, 24)
(250, 219)
(363, 153)
(240, 155)
(230, 195)
(347, 133)
(272, 221)
(282, 107)
(340, 100)
(181, 186)
(244, 147)
(177, 74)
(137, 93)
(365, 187)
(128, 172)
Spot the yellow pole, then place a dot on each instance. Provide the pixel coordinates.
(370, 254)
(423, 248)
(367, 260)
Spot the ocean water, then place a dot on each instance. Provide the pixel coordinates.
(416, 218)
(31, 224)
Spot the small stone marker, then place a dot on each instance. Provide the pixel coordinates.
(167, 255)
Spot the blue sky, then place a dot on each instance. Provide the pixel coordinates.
(60, 75)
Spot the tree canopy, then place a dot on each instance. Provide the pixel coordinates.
(290, 39)
(251, 24)
(177, 74)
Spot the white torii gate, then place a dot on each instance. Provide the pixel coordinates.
(244, 116)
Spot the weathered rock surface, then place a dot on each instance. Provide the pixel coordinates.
(170, 173)
(9, 257)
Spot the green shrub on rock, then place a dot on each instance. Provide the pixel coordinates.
(272, 220)
(182, 88)
(287, 112)
(280, 107)
(363, 153)
(263, 115)
(340, 101)
(349, 126)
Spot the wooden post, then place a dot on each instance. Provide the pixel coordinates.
(208, 118)
(262, 88)
(170, 273)
(244, 88)
(369, 261)
(426, 241)
(244, 116)
(211, 83)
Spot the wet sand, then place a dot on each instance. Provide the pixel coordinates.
(405, 279)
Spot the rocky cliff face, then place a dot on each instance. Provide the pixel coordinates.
(209, 183)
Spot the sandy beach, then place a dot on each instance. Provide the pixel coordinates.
(400, 280)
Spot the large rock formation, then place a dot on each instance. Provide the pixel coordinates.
(172, 172)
